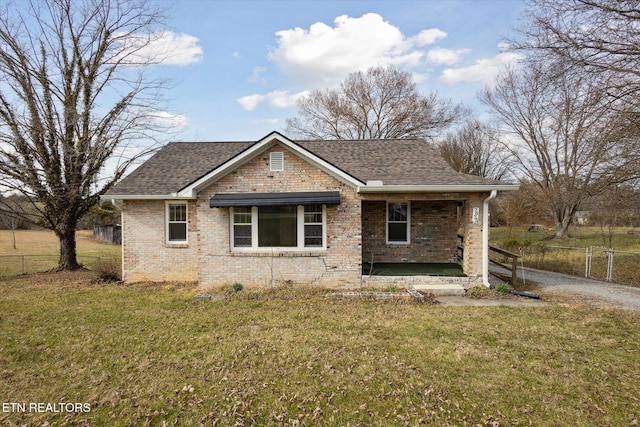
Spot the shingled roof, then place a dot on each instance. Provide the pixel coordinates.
(176, 165)
(394, 162)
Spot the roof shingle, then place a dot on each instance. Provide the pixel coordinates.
(395, 162)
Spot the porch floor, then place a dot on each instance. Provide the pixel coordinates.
(413, 269)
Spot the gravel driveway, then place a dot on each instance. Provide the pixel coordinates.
(601, 294)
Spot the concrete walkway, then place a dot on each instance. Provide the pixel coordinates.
(600, 294)
(458, 301)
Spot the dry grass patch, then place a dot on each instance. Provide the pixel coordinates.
(38, 250)
(152, 354)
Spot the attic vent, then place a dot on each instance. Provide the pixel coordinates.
(276, 161)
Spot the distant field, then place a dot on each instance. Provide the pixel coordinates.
(38, 250)
(568, 255)
(624, 238)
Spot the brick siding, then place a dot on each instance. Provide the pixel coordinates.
(146, 255)
(337, 266)
(433, 232)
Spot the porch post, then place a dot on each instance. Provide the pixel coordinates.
(485, 238)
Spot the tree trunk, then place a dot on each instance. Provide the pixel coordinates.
(563, 222)
(68, 257)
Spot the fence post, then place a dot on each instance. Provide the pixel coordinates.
(610, 265)
(22, 264)
(587, 262)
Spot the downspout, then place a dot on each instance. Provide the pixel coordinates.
(119, 204)
(485, 238)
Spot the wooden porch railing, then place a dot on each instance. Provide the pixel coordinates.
(514, 263)
(513, 256)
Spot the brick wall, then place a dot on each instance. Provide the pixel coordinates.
(146, 255)
(433, 232)
(472, 265)
(338, 265)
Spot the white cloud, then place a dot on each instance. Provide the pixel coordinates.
(277, 99)
(250, 102)
(167, 119)
(165, 47)
(484, 70)
(430, 36)
(440, 55)
(323, 56)
(283, 99)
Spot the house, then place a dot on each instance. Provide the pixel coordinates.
(313, 212)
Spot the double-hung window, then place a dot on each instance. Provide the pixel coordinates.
(242, 227)
(398, 222)
(286, 227)
(177, 224)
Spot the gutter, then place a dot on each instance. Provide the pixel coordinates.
(485, 238)
(120, 197)
(463, 188)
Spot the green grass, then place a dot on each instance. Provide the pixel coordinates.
(540, 251)
(152, 354)
(38, 250)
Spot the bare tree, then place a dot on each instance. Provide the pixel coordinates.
(597, 38)
(11, 210)
(600, 36)
(74, 94)
(381, 103)
(475, 149)
(564, 135)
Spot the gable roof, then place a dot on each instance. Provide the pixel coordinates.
(180, 168)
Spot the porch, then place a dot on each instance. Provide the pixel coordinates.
(438, 278)
(414, 242)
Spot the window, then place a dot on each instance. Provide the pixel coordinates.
(277, 226)
(313, 224)
(176, 222)
(285, 227)
(276, 161)
(242, 227)
(398, 214)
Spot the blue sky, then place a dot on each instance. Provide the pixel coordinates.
(240, 65)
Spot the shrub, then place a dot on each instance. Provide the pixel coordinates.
(237, 287)
(108, 270)
(503, 288)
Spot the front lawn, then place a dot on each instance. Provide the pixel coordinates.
(153, 355)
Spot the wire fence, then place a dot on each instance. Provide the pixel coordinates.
(14, 265)
(594, 262)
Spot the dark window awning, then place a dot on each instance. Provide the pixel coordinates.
(275, 199)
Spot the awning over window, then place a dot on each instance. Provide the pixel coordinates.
(275, 199)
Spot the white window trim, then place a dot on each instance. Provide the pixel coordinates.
(386, 224)
(168, 203)
(300, 232)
